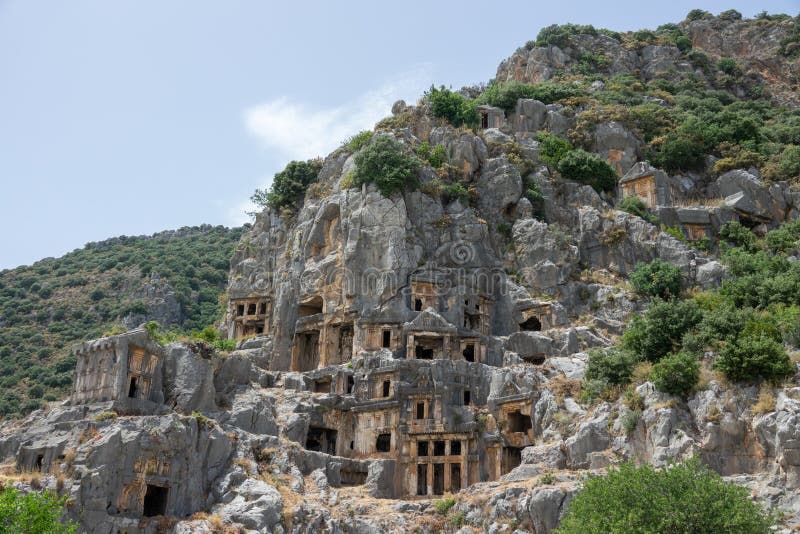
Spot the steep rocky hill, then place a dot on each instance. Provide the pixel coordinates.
(449, 321)
(174, 277)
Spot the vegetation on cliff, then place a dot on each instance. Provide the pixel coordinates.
(176, 277)
(686, 497)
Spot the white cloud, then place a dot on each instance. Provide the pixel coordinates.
(298, 130)
(289, 129)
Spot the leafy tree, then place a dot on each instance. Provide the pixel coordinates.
(754, 356)
(656, 279)
(678, 153)
(676, 373)
(451, 106)
(385, 163)
(661, 328)
(589, 169)
(289, 185)
(560, 34)
(33, 513)
(697, 14)
(611, 366)
(687, 498)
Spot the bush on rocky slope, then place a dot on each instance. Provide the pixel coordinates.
(680, 498)
(385, 163)
(33, 513)
(289, 185)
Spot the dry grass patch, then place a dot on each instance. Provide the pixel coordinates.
(765, 402)
(563, 387)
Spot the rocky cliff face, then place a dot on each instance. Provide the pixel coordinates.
(395, 349)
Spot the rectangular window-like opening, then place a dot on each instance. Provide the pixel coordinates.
(455, 478)
(251, 309)
(438, 448)
(155, 501)
(322, 386)
(240, 310)
(387, 339)
(484, 120)
(423, 353)
(386, 387)
(455, 448)
(438, 479)
(422, 479)
(350, 384)
(512, 457)
(39, 461)
(321, 440)
(422, 448)
(519, 422)
(467, 397)
(420, 410)
(469, 353)
(383, 443)
(133, 388)
(417, 304)
(262, 308)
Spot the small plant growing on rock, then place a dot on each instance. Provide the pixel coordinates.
(443, 506)
(589, 169)
(546, 478)
(630, 419)
(105, 416)
(636, 206)
(765, 403)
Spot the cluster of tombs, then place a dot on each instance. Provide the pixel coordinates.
(420, 406)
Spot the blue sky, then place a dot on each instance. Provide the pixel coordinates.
(130, 117)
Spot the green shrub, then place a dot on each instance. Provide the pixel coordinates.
(636, 206)
(458, 192)
(612, 366)
(676, 373)
(505, 94)
(751, 357)
(552, 148)
(697, 14)
(735, 233)
(630, 419)
(660, 330)
(729, 66)
(678, 153)
(656, 279)
(357, 141)
(385, 163)
(289, 185)
(684, 497)
(730, 15)
(33, 513)
(433, 155)
(560, 34)
(589, 169)
(443, 505)
(782, 240)
(451, 106)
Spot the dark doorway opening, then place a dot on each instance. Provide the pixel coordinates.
(322, 385)
(321, 440)
(420, 410)
(383, 443)
(39, 461)
(532, 324)
(438, 479)
(251, 309)
(422, 448)
(386, 387)
(484, 121)
(467, 397)
(519, 422)
(155, 501)
(512, 457)
(422, 479)
(455, 448)
(455, 477)
(438, 448)
(469, 353)
(133, 389)
(387, 339)
(423, 354)
(350, 383)
(417, 304)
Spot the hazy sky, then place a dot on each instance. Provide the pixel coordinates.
(130, 117)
